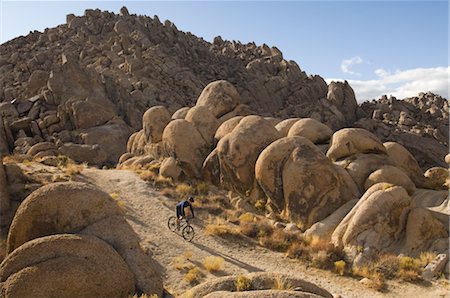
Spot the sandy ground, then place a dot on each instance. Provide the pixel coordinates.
(148, 211)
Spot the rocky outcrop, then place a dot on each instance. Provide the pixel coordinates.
(238, 151)
(259, 283)
(418, 123)
(301, 182)
(377, 220)
(69, 207)
(52, 266)
(50, 212)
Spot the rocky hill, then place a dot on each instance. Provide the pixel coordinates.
(96, 75)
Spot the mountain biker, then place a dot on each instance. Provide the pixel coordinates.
(180, 209)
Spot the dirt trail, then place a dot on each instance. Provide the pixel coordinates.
(147, 211)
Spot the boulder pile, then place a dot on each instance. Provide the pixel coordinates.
(73, 238)
(343, 185)
(419, 123)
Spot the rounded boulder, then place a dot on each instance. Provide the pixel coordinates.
(154, 121)
(349, 141)
(221, 97)
(65, 207)
(312, 129)
(65, 265)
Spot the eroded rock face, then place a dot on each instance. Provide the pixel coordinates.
(239, 150)
(301, 182)
(377, 220)
(422, 230)
(183, 142)
(53, 265)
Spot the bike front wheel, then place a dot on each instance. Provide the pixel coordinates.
(188, 233)
(172, 223)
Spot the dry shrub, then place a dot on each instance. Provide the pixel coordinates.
(426, 257)
(147, 175)
(388, 266)
(281, 284)
(202, 188)
(279, 240)
(184, 189)
(265, 229)
(243, 283)
(163, 181)
(193, 276)
(114, 195)
(261, 204)
(249, 229)
(410, 269)
(377, 282)
(339, 267)
(246, 217)
(298, 250)
(74, 169)
(181, 263)
(213, 264)
(220, 228)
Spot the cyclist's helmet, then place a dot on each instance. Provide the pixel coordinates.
(191, 199)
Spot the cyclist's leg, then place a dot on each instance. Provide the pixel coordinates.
(178, 212)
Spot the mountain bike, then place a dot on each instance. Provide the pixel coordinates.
(187, 231)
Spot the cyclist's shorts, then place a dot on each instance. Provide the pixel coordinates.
(180, 211)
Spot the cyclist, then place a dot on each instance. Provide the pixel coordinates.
(180, 209)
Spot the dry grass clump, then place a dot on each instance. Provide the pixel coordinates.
(221, 228)
(317, 253)
(261, 204)
(410, 269)
(246, 217)
(281, 284)
(202, 188)
(213, 264)
(156, 179)
(243, 283)
(182, 263)
(184, 189)
(279, 240)
(193, 276)
(16, 158)
(72, 169)
(339, 267)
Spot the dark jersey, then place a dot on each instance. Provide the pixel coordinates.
(180, 208)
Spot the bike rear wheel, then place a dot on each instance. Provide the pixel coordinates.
(172, 223)
(188, 233)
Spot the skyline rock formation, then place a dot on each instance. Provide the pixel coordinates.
(97, 74)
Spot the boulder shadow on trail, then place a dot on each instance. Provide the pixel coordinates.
(228, 258)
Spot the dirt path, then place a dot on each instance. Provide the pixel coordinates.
(147, 211)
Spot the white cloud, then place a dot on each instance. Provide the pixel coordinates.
(347, 63)
(402, 84)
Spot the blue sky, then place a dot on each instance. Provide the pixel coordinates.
(380, 47)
